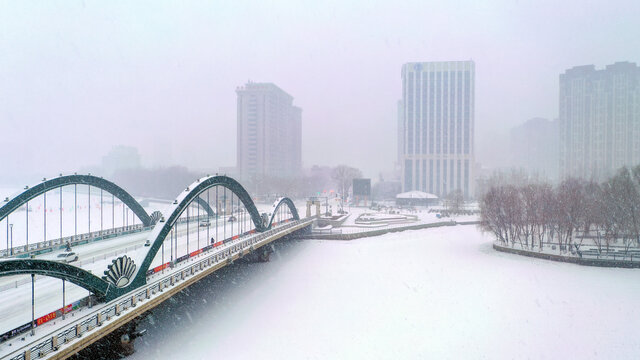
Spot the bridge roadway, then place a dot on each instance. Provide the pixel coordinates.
(94, 257)
(68, 336)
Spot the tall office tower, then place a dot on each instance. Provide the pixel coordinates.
(438, 100)
(599, 120)
(269, 132)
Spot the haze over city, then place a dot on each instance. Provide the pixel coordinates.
(319, 180)
(77, 78)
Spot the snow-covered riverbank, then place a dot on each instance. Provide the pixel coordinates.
(434, 293)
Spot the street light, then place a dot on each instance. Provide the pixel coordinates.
(11, 226)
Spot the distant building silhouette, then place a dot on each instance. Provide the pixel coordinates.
(534, 147)
(438, 125)
(120, 158)
(599, 120)
(269, 132)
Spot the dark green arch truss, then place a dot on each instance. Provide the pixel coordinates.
(55, 269)
(12, 204)
(285, 201)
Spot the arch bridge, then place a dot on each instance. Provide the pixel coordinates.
(126, 274)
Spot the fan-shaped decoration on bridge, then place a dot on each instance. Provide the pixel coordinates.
(120, 272)
(155, 217)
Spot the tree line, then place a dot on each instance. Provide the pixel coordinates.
(535, 214)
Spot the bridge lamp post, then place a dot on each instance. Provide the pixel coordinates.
(64, 311)
(11, 226)
(89, 206)
(45, 215)
(33, 305)
(75, 210)
(27, 208)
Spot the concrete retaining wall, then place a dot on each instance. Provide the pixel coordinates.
(570, 259)
(387, 230)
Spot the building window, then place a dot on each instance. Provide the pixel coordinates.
(410, 129)
(423, 99)
(438, 178)
(424, 175)
(466, 178)
(431, 176)
(445, 185)
(431, 112)
(408, 174)
(438, 133)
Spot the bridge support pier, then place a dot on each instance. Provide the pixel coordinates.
(116, 345)
(262, 254)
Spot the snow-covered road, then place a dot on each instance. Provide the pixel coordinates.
(427, 294)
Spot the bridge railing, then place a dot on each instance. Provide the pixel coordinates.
(80, 239)
(43, 247)
(54, 339)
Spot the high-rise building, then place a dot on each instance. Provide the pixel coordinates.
(599, 120)
(269, 132)
(534, 148)
(438, 102)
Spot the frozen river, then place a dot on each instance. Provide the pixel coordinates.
(435, 293)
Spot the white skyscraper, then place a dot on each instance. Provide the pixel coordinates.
(438, 101)
(269, 132)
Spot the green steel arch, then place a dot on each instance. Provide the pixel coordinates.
(58, 270)
(205, 206)
(162, 229)
(284, 201)
(14, 203)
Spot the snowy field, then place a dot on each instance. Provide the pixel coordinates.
(439, 293)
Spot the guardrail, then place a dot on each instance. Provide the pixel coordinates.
(42, 247)
(53, 340)
(620, 260)
(55, 244)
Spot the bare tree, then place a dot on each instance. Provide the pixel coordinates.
(454, 201)
(343, 176)
(492, 214)
(625, 202)
(569, 208)
(545, 214)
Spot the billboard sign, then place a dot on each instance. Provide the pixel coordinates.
(362, 187)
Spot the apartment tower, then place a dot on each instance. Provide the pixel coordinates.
(599, 120)
(269, 132)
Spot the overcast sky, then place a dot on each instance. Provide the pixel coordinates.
(77, 77)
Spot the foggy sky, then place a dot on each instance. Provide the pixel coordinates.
(77, 78)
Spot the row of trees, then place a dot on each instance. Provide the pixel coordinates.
(167, 182)
(318, 179)
(533, 213)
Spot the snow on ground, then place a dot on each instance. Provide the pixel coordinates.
(433, 293)
(420, 216)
